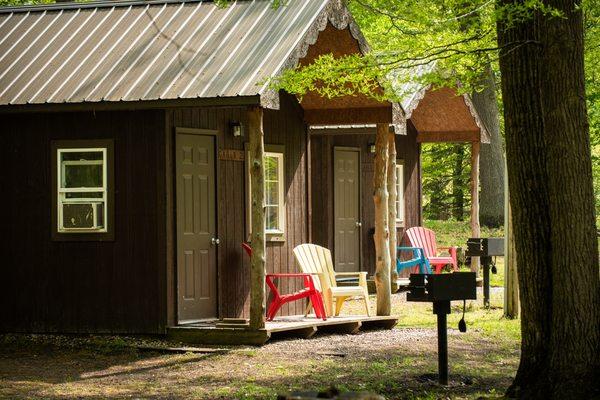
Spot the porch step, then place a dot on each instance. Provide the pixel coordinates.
(233, 323)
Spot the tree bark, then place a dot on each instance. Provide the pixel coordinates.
(257, 208)
(381, 237)
(475, 227)
(575, 335)
(393, 195)
(550, 182)
(491, 165)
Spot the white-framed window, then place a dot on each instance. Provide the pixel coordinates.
(400, 192)
(82, 190)
(274, 193)
(274, 166)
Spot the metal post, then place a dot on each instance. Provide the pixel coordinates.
(442, 349)
(486, 261)
(441, 309)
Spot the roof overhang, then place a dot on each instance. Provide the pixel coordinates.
(335, 32)
(442, 115)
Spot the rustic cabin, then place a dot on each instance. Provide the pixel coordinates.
(133, 133)
(433, 116)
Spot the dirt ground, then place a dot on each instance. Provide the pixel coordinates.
(400, 363)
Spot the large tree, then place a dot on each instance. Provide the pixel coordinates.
(551, 194)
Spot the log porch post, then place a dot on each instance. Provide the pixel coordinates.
(475, 227)
(392, 211)
(257, 209)
(381, 237)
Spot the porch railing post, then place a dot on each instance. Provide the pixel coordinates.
(392, 211)
(475, 227)
(381, 237)
(257, 209)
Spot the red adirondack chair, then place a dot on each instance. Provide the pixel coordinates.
(425, 239)
(309, 291)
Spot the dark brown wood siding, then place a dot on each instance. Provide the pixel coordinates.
(322, 147)
(83, 286)
(282, 127)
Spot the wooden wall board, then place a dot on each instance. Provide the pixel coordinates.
(85, 286)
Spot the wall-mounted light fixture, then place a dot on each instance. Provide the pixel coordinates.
(236, 128)
(372, 147)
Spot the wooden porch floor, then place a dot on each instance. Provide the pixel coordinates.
(217, 332)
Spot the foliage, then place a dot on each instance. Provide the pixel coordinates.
(454, 39)
(8, 3)
(446, 176)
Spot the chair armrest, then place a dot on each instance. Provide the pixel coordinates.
(291, 275)
(362, 277)
(417, 251)
(309, 282)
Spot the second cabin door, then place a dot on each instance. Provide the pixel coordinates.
(196, 227)
(346, 209)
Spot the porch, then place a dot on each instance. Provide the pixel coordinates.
(238, 332)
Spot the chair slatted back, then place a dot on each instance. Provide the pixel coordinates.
(314, 259)
(423, 238)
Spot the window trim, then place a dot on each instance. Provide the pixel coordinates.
(65, 146)
(273, 235)
(400, 194)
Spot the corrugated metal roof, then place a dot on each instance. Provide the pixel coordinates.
(128, 51)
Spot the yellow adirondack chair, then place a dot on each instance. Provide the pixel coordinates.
(316, 260)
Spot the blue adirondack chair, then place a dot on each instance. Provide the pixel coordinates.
(418, 259)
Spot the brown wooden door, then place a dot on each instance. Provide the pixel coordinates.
(346, 209)
(196, 227)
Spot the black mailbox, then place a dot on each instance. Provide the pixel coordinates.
(478, 247)
(441, 289)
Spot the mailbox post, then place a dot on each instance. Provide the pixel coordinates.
(441, 289)
(485, 249)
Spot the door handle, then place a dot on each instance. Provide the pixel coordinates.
(215, 241)
(358, 224)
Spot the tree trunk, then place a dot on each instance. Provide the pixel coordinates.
(257, 208)
(381, 237)
(458, 196)
(393, 195)
(575, 335)
(475, 228)
(550, 179)
(491, 164)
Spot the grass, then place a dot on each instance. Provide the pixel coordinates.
(456, 233)
(399, 363)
